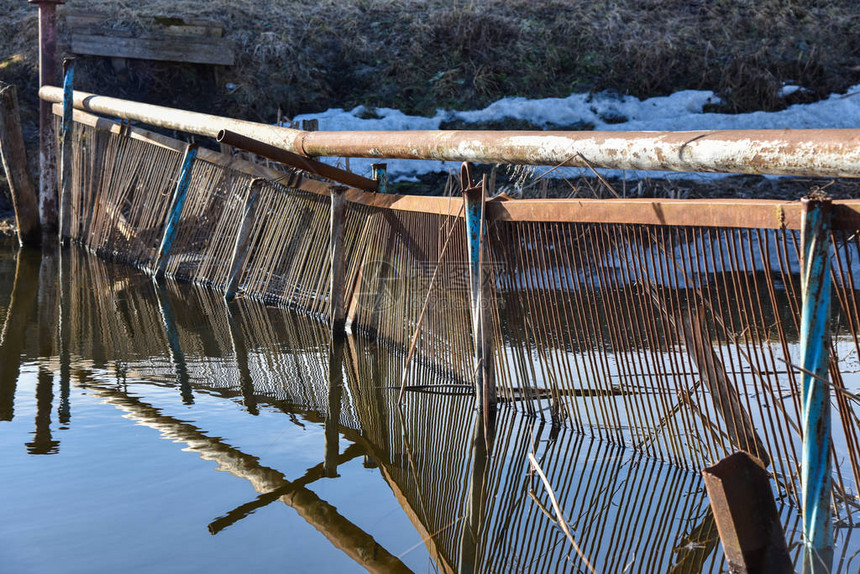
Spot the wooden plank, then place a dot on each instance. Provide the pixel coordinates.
(190, 49)
(14, 159)
(87, 21)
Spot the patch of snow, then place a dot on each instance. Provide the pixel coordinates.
(787, 90)
(681, 111)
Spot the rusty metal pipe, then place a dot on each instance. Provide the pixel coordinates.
(812, 153)
(181, 120)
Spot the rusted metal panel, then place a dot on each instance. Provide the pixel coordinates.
(825, 153)
(448, 206)
(746, 516)
(732, 213)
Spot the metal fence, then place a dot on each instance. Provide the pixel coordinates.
(670, 327)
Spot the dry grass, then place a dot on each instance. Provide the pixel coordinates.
(309, 55)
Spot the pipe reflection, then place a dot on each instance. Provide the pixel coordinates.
(468, 498)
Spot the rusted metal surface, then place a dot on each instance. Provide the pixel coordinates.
(437, 205)
(47, 142)
(294, 160)
(746, 516)
(732, 213)
(832, 153)
(825, 153)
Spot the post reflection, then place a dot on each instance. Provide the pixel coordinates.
(16, 326)
(472, 502)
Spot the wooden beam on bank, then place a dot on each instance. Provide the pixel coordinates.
(14, 154)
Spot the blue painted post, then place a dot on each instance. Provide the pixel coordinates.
(379, 172)
(814, 346)
(482, 333)
(175, 212)
(66, 151)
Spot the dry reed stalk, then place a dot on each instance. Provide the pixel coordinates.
(559, 516)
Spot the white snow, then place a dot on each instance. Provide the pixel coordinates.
(681, 111)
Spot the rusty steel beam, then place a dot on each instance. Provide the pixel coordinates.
(813, 153)
(747, 519)
(297, 161)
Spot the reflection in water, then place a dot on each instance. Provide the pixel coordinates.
(473, 502)
(15, 326)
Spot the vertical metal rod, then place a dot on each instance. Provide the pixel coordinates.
(47, 142)
(474, 200)
(814, 339)
(66, 151)
(243, 238)
(337, 311)
(379, 172)
(175, 212)
(14, 157)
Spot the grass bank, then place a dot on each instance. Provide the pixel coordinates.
(301, 56)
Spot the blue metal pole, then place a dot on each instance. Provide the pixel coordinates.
(379, 172)
(175, 212)
(66, 149)
(814, 347)
(474, 197)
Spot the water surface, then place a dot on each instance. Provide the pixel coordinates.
(154, 428)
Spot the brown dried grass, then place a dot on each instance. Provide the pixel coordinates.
(308, 55)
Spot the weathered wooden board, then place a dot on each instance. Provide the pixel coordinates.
(86, 21)
(168, 48)
(169, 39)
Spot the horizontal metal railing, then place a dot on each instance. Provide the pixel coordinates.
(826, 153)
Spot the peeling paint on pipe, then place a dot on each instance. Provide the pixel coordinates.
(811, 153)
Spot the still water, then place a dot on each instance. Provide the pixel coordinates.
(154, 428)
